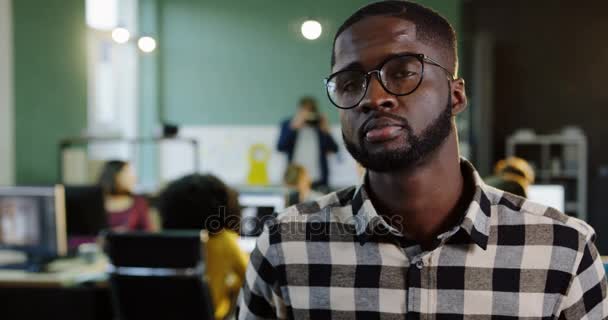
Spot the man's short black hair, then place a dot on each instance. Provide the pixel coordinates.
(195, 202)
(431, 27)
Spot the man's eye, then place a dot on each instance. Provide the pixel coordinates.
(403, 74)
(348, 86)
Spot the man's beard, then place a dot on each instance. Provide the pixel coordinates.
(409, 155)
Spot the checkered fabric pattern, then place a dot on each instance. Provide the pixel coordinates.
(509, 258)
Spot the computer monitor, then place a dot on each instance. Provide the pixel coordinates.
(548, 194)
(32, 220)
(257, 208)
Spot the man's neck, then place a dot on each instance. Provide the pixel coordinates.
(425, 201)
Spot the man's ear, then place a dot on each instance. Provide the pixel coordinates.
(459, 96)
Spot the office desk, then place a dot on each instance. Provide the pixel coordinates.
(60, 274)
(74, 272)
(70, 289)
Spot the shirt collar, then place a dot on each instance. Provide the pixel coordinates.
(475, 223)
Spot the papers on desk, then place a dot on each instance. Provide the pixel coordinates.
(12, 257)
(59, 273)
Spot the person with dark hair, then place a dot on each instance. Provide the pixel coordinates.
(306, 139)
(126, 211)
(200, 202)
(422, 236)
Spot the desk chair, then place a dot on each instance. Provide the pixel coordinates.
(158, 276)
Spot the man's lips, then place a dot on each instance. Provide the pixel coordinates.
(382, 129)
(383, 134)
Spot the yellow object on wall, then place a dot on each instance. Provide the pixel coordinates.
(259, 155)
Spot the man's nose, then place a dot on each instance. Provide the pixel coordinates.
(376, 97)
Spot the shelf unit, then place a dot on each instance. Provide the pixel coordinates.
(556, 159)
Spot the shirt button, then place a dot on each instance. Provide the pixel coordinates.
(419, 264)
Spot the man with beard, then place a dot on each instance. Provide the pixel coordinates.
(422, 236)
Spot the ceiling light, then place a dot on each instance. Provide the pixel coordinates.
(311, 29)
(146, 44)
(121, 35)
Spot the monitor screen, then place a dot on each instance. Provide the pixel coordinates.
(32, 219)
(19, 221)
(549, 195)
(257, 207)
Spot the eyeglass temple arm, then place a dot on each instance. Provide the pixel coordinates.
(435, 63)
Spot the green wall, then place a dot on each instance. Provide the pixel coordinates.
(245, 62)
(50, 83)
(219, 62)
(149, 94)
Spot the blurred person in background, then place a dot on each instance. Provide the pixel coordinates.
(513, 175)
(306, 139)
(201, 202)
(298, 180)
(126, 211)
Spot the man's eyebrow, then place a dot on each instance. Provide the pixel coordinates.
(393, 55)
(356, 65)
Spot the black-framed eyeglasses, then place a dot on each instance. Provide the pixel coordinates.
(400, 75)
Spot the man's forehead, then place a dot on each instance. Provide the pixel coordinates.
(373, 35)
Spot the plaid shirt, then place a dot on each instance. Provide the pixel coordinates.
(508, 258)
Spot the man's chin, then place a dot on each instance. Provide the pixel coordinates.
(387, 160)
(387, 147)
(384, 166)
(393, 149)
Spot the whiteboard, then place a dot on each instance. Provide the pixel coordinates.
(224, 153)
(176, 159)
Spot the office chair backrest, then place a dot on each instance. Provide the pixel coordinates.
(85, 210)
(158, 276)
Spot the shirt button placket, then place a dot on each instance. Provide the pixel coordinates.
(414, 281)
